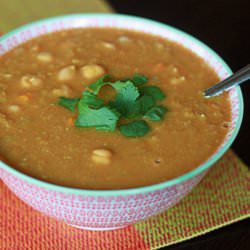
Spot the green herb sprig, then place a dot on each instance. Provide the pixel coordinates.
(134, 102)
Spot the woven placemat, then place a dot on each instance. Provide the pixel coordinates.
(220, 199)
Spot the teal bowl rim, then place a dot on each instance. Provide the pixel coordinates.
(149, 188)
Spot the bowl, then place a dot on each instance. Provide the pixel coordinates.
(112, 209)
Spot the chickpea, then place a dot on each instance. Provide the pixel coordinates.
(35, 81)
(101, 156)
(44, 57)
(124, 39)
(7, 76)
(13, 108)
(67, 73)
(63, 91)
(25, 83)
(177, 80)
(91, 71)
(28, 81)
(107, 45)
(174, 70)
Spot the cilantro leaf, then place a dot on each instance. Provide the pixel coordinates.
(156, 113)
(81, 106)
(68, 103)
(126, 97)
(92, 100)
(153, 91)
(135, 129)
(102, 119)
(139, 79)
(144, 103)
(96, 86)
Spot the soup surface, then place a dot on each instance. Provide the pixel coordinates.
(38, 137)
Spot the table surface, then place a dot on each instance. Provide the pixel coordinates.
(221, 24)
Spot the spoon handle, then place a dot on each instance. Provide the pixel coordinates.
(238, 77)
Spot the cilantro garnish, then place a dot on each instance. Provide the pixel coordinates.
(126, 96)
(139, 79)
(135, 129)
(132, 101)
(144, 104)
(156, 113)
(102, 119)
(96, 86)
(92, 100)
(153, 91)
(68, 103)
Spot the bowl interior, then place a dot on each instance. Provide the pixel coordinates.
(27, 32)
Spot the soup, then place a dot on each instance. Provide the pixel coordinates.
(38, 136)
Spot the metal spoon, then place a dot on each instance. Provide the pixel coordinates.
(238, 77)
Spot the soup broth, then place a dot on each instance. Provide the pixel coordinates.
(38, 136)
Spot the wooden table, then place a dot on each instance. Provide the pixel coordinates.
(220, 24)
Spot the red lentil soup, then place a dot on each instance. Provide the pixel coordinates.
(38, 137)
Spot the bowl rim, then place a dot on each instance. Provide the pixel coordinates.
(149, 188)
